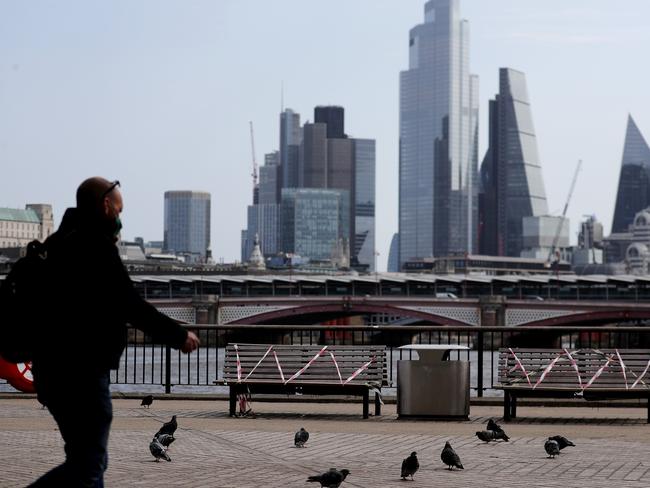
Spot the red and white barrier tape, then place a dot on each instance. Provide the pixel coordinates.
(277, 361)
(548, 369)
(238, 363)
(259, 362)
(642, 375)
(304, 368)
(622, 364)
(336, 365)
(598, 373)
(575, 366)
(360, 370)
(520, 366)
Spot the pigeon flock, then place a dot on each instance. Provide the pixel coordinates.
(333, 478)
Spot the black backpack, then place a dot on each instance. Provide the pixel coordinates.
(22, 294)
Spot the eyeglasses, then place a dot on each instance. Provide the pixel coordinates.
(114, 184)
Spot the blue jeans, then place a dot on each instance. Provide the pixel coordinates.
(82, 408)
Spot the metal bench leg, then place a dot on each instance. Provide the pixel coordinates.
(513, 407)
(232, 400)
(506, 405)
(378, 405)
(648, 421)
(365, 404)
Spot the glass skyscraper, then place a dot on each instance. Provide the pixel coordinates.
(634, 183)
(364, 204)
(438, 198)
(187, 223)
(314, 221)
(511, 174)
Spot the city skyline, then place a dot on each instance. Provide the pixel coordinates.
(163, 100)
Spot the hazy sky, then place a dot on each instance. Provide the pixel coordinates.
(158, 94)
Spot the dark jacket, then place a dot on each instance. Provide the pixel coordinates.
(91, 300)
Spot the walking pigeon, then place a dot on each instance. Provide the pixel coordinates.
(552, 448)
(301, 437)
(486, 435)
(450, 458)
(410, 466)
(165, 439)
(330, 479)
(562, 441)
(168, 427)
(147, 401)
(158, 451)
(496, 428)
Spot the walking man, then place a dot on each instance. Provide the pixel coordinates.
(90, 301)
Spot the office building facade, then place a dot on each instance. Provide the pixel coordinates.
(364, 204)
(512, 186)
(187, 224)
(438, 129)
(314, 222)
(290, 137)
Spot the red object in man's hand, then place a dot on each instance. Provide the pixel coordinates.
(18, 375)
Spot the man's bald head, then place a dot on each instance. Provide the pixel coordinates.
(99, 198)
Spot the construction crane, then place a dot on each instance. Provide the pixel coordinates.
(551, 254)
(254, 173)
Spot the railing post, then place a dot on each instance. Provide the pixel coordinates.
(168, 369)
(479, 370)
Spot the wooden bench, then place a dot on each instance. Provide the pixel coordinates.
(600, 375)
(362, 369)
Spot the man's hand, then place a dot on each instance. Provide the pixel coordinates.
(191, 343)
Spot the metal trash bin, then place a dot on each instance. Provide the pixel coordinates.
(433, 386)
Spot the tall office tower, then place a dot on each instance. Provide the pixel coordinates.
(438, 199)
(364, 203)
(511, 173)
(314, 221)
(634, 182)
(290, 136)
(313, 157)
(334, 117)
(270, 179)
(187, 223)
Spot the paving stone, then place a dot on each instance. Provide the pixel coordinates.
(213, 450)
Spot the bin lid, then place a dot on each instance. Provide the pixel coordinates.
(429, 353)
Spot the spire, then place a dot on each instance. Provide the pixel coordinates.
(635, 150)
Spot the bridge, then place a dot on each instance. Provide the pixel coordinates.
(485, 311)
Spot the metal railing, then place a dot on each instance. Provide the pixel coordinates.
(146, 363)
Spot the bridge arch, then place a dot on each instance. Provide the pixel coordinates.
(327, 311)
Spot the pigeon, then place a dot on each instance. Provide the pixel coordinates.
(165, 439)
(330, 479)
(301, 437)
(168, 427)
(486, 435)
(410, 466)
(496, 428)
(562, 441)
(158, 451)
(493, 426)
(450, 458)
(147, 401)
(552, 448)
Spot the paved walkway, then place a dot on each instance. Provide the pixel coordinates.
(213, 450)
